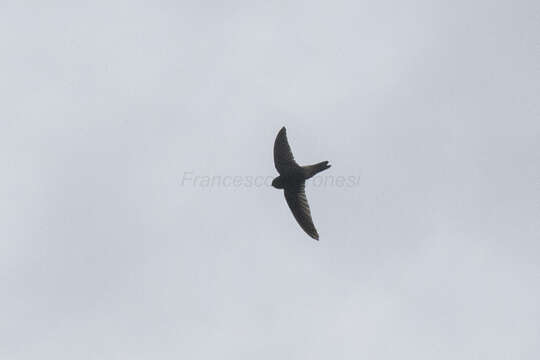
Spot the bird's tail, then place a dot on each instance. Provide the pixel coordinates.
(311, 170)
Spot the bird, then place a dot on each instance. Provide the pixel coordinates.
(292, 179)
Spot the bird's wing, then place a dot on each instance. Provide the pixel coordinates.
(297, 201)
(283, 157)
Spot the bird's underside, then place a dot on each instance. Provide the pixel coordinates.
(292, 179)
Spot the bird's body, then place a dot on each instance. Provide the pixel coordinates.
(292, 178)
(295, 176)
(298, 174)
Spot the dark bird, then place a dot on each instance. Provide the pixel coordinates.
(292, 179)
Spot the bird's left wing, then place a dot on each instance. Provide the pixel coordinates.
(283, 157)
(297, 201)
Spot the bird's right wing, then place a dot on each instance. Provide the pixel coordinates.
(283, 157)
(297, 201)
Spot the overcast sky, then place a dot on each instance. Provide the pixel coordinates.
(434, 253)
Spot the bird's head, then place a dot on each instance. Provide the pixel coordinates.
(277, 183)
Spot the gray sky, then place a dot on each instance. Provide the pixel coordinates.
(434, 254)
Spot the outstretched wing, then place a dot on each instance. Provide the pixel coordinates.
(297, 201)
(283, 157)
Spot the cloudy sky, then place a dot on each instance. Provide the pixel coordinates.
(106, 253)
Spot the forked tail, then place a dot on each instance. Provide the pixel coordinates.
(311, 170)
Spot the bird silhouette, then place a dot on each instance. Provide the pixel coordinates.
(292, 179)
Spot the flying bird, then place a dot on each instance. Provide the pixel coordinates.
(292, 179)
